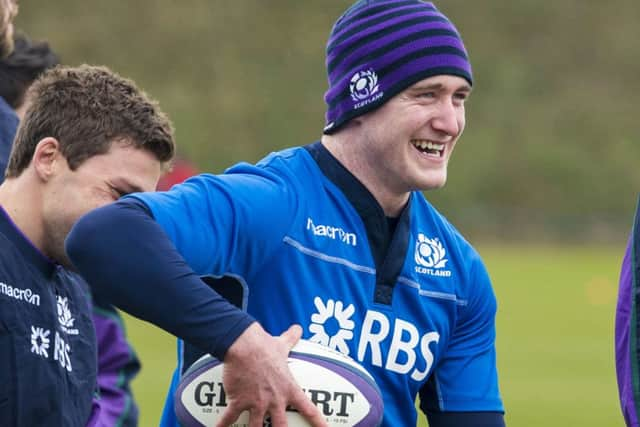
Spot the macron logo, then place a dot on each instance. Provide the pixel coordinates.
(20, 294)
(335, 233)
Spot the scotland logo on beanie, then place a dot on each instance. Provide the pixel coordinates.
(364, 87)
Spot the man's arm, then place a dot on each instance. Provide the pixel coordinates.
(117, 366)
(463, 389)
(128, 259)
(625, 339)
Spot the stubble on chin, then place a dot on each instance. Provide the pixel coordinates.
(53, 247)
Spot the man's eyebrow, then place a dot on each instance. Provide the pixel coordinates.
(422, 87)
(438, 87)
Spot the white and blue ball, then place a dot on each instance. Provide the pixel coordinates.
(345, 393)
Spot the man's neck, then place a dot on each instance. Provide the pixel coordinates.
(391, 202)
(23, 204)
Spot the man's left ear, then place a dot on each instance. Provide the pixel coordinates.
(47, 158)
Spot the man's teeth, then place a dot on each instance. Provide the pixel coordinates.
(428, 145)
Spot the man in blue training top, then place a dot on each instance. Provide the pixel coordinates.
(335, 236)
(88, 137)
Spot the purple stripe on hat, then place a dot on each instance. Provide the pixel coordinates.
(371, 42)
(423, 63)
(408, 10)
(622, 345)
(387, 29)
(385, 32)
(382, 59)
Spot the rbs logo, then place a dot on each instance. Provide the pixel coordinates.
(406, 345)
(409, 353)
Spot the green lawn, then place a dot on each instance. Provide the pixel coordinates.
(555, 338)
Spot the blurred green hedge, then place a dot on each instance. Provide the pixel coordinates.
(550, 149)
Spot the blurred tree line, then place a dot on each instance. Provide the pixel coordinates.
(550, 149)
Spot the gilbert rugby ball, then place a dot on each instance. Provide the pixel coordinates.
(344, 391)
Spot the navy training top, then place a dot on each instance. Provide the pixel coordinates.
(47, 340)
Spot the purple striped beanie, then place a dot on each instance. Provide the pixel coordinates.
(378, 48)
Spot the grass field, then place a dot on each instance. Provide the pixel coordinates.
(555, 338)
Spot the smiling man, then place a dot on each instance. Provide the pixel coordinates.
(335, 236)
(87, 138)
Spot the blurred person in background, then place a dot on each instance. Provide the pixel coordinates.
(21, 68)
(60, 168)
(626, 328)
(335, 236)
(117, 361)
(17, 71)
(8, 12)
(8, 118)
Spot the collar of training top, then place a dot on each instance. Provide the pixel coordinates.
(388, 247)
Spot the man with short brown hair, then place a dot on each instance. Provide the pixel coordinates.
(118, 363)
(88, 137)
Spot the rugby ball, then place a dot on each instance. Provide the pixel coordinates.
(345, 393)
